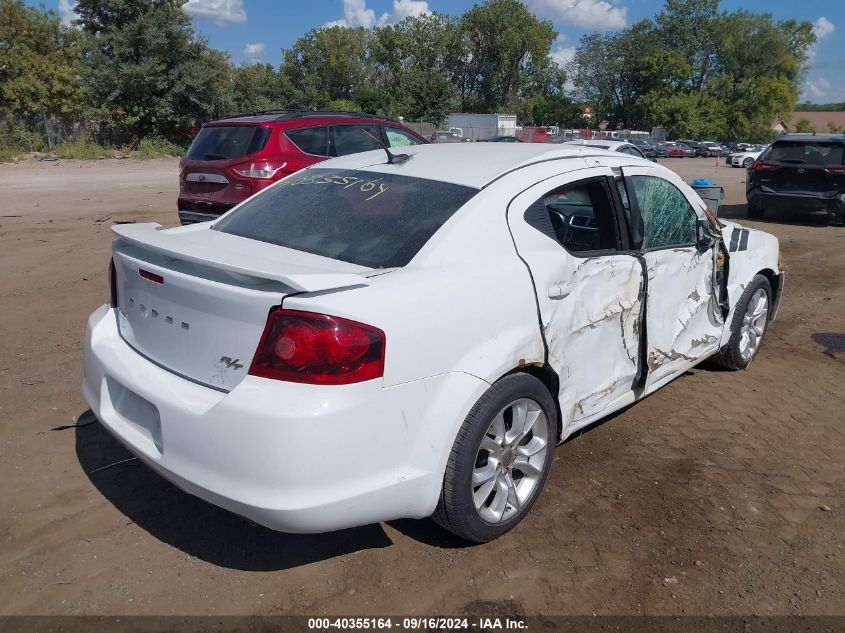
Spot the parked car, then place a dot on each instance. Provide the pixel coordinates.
(699, 149)
(504, 139)
(693, 148)
(689, 152)
(614, 146)
(668, 149)
(360, 342)
(645, 147)
(744, 158)
(231, 159)
(445, 136)
(799, 172)
(713, 148)
(724, 151)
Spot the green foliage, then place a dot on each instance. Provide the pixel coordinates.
(81, 149)
(820, 107)
(146, 73)
(258, 87)
(39, 62)
(504, 53)
(696, 71)
(135, 69)
(803, 125)
(156, 147)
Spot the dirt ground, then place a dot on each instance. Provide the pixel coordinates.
(724, 493)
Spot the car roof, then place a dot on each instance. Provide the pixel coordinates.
(834, 138)
(598, 142)
(306, 117)
(473, 164)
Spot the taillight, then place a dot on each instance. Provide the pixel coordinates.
(839, 169)
(318, 349)
(262, 169)
(762, 164)
(112, 284)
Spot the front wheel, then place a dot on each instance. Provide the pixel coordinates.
(748, 326)
(499, 461)
(748, 162)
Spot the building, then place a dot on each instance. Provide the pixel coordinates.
(820, 122)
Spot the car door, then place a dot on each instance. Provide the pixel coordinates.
(683, 317)
(589, 287)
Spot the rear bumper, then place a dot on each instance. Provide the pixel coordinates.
(801, 201)
(194, 217)
(292, 457)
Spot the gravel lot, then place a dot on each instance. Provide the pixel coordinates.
(724, 493)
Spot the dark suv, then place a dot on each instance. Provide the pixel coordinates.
(233, 158)
(799, 172)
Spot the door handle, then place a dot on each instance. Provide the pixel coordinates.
(560, 290)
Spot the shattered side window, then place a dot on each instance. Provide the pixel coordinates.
(668, 217)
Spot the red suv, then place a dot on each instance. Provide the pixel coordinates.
(233, 158)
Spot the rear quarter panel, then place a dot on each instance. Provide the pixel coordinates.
(465, 303)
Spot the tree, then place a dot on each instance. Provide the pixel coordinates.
(327, 63)
(39, 63)
(146, 73)
(803, 125)
(504, 54)
(260, 87)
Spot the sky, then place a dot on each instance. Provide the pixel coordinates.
(258, 30)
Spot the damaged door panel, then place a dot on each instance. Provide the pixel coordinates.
(590, 290)
(685, 319)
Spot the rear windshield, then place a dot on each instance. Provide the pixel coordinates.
(370, 219)
(225, 142)
(807, 153)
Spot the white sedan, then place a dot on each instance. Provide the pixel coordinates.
(372, 339)
(744, 159)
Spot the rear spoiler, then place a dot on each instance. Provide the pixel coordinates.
(239, 255)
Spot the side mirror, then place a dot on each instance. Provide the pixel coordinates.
(705, 239)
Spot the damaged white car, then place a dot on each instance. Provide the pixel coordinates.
(373, 339)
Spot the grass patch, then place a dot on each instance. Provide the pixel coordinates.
(8, 152)
(83, 149)
(155, 147)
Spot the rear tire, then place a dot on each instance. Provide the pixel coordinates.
(496, 469)
(748, 325)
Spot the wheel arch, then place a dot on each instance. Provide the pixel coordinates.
(548, 376)
(776, 287)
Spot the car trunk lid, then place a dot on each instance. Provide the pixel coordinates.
(195, 301)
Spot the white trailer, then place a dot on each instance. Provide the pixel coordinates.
(483, 126)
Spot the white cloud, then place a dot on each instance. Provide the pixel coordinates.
(254, 52)
(817, 88)
(561, 52)
(408, 8)
(356, 13)
(66, 11)
(587, 14)
(223, 12)
(822, 28)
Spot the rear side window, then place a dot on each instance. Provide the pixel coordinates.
(366, 218)
(351, 139)
(807, 153)
(225, 142)
(398, 138)
(311, 140)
